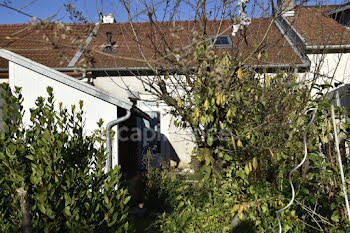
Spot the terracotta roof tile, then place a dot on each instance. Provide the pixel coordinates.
(50, 44)
(175, 38)
(317, 28)
(54, 45)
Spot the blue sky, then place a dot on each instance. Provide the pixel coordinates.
(90, 8)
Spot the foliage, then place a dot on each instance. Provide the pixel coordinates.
(249, 129)
(61, 169)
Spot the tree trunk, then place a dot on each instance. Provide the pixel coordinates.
(27, 226)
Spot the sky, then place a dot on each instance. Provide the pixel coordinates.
(43, 9)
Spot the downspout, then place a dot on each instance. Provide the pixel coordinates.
(83, 76)
(110, 125)
(339, 157)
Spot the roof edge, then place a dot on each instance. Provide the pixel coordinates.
(335, 10)
(65, 79)
(88, 40)
(294, 39)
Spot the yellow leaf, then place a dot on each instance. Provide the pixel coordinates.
(256, 98)
(246, 169)
(199, 81)
(207, 160)
(233, 142)
(228, 114)
(259, 56)
(240, 216)
(250, 167)
(206, 104)
(241, 208)
(239, 73)
(195, 114)
(203, 120)
(235, 208)
(218, 99)
(239, 143)
(271, 152)
(267, 79)
(255, 163)
(179, 103)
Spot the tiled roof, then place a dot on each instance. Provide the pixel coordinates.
(317, 28)
(175, 38)
(50, 44)
(54, 45)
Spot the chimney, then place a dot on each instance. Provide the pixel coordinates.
(286, 7)
(108, 18)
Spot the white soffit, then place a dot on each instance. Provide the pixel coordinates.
(65, 79)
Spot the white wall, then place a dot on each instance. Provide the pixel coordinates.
(331, 68)
(181, 140)
(34, 85)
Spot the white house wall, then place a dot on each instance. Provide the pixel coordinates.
(180, 139)
(331, 68)
(34, 85)
(4, 80)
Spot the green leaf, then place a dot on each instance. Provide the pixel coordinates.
(228, 157)
(67, 211)
(30, 157)
(127, 199)
(210, 140)
(180, 204)
(42, 208)
(255, 163)
(335, 218)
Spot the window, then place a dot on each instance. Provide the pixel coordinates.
(151, 134)
(222, 41)
(151, 138)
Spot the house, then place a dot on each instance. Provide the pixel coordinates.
(113, 57)
(34, 78)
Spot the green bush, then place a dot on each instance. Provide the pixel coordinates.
(62, 170)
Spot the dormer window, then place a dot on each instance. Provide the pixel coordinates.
(222, 41)
(341, 15)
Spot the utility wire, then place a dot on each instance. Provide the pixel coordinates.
(294, 170)
(17, 10)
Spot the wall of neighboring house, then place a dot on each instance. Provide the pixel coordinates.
(176, 144)
(335, 65)
(331, 68)
(4, 80)
(34, 85)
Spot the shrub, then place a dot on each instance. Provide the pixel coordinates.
(62, 170)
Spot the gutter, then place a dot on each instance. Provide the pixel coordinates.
(335, 48)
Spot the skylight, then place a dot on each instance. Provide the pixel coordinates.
(222, 41)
